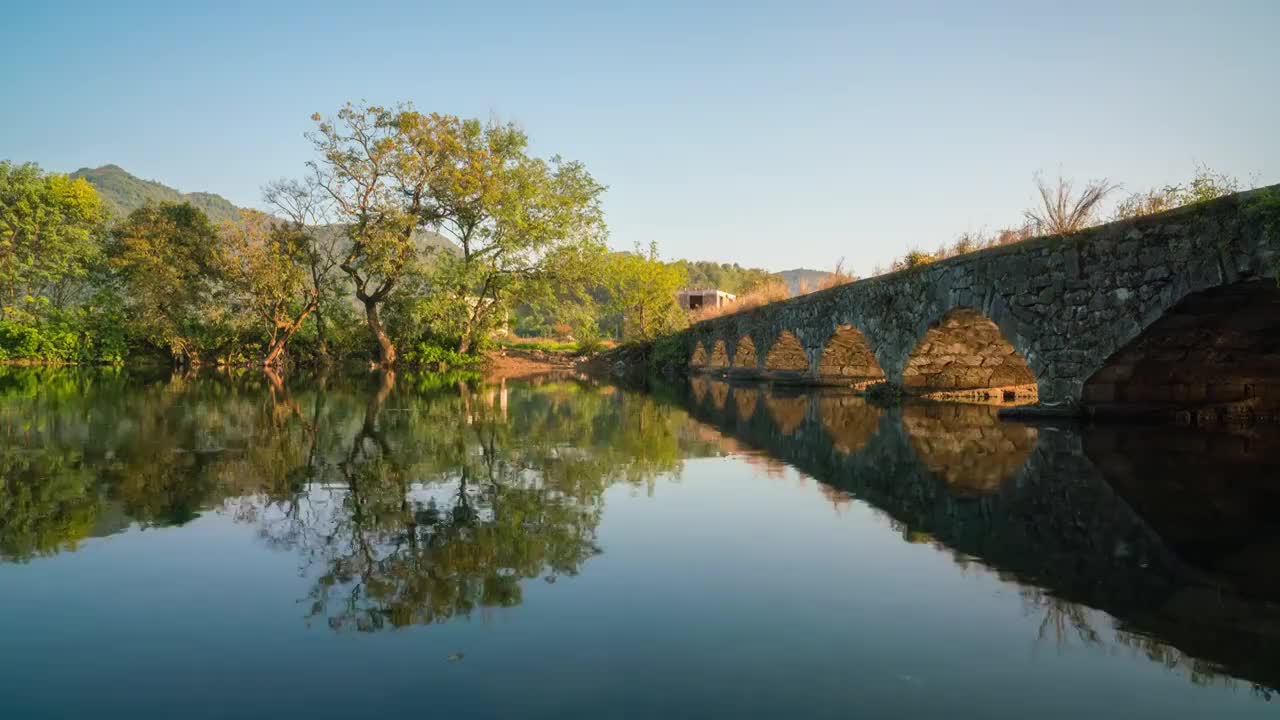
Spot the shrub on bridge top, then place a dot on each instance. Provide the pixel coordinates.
(914, 259)
(1205, 185)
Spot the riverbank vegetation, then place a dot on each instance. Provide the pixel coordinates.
(409, 237)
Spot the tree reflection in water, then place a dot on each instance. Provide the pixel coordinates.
(410, 500)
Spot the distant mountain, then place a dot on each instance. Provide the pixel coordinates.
(802, 280)
(125, 193)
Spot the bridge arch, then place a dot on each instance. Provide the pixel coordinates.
(744, 355)
(1215, 352)
(719, 355)
(699, 356)
(965, 354)
(787, 354)
(848, 357)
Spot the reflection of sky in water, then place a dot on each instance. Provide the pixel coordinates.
(735, 587)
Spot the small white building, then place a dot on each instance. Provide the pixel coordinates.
(698, 298)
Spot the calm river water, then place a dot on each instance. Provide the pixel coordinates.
(419, 546)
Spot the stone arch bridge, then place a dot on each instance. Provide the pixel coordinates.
(1179, 309)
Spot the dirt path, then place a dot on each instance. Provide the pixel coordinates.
(504, 364)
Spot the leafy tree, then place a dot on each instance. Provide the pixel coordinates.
(266, 261)
(642, 291)
(729, 277)
(526, 228)
(167, 256)
(305, 206)
(49, 238)
(377, 163)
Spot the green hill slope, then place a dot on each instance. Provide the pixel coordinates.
(124, 193)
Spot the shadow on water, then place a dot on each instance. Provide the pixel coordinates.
(1171, 532)
(414, 499)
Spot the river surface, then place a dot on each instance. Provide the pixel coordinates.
(241, 546)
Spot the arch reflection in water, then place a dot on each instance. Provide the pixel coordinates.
(788, 411)
(745, 400)
(968, 446)
(849, 420)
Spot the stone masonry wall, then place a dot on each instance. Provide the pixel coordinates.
(1065, 304)
(965, 351)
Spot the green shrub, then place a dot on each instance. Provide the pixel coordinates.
(49, 343)
(544, 345)
(438, 356)
(668, 350)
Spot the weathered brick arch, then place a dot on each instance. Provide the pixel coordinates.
(787, 354)
(848, 357)
(719, 355)
(699, 357)
(744, 353)
(965, 351)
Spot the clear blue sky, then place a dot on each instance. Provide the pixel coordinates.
(772, 134)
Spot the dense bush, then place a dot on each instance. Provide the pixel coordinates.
(437, 356)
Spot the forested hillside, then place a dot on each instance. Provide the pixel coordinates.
(733, 278)
(123, 193)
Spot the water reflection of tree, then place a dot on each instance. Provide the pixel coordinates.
(419, 500)
(399, 557)
(449, 502)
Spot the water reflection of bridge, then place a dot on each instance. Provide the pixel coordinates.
(1092, 528)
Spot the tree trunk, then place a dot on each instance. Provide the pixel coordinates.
(282, 340)
(321, 338)
(386, 349)
(276, 350)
